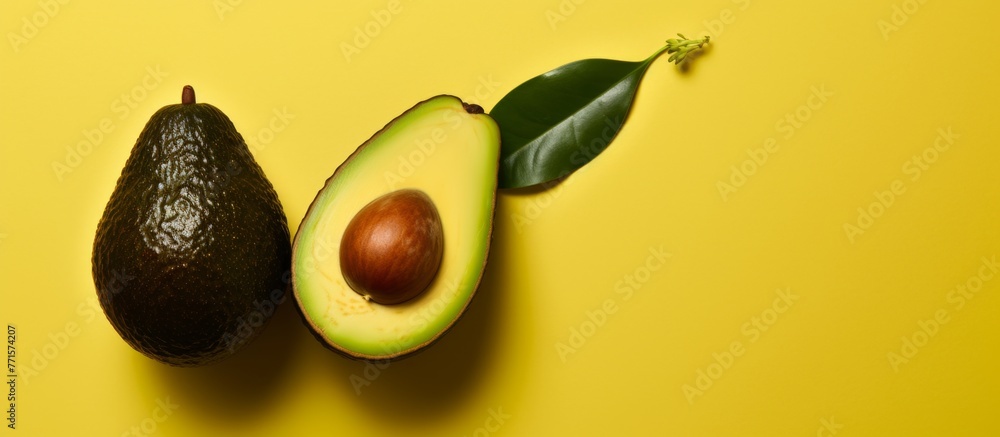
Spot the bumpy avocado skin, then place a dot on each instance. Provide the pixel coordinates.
(192, 253)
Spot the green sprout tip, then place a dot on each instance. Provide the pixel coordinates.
(680, 48)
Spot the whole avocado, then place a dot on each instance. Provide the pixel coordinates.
(192, 254)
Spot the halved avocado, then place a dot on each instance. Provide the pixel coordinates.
(442, 147)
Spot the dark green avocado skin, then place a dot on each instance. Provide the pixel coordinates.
(193, 250)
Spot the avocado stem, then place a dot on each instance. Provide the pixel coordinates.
(473, 108)
(187, 96)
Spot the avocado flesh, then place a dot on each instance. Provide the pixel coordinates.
(190, 254)
(450, 154)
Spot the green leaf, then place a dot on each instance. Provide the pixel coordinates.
(555, 123)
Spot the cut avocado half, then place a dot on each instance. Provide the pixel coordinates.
(442, 147)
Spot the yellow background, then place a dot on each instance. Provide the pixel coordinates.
(823, 366)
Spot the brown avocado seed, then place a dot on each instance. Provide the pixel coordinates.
(392, 249)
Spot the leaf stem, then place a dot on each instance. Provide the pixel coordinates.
(680, 48)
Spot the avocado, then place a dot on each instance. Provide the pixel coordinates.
(192, 254)
(394, 245)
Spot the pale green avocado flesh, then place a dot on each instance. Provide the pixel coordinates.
(441, 148)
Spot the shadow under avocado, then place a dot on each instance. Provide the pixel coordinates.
(434, 382)
(426, 386)
(244, 384)
(532, 190)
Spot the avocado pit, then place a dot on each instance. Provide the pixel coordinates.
(392, 249)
